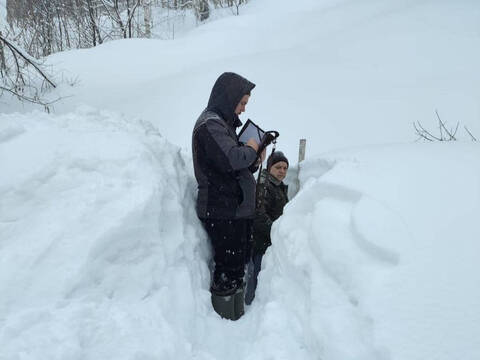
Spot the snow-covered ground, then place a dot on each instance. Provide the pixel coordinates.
(385, 257)
(101, 254)
(339, 73)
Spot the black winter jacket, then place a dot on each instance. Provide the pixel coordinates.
(272, 196)
(226, 186)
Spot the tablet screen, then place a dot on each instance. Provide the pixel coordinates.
(250, 130)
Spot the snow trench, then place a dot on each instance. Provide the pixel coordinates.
(102, 256)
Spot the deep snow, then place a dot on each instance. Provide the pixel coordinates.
(339, 73)
(101, 254)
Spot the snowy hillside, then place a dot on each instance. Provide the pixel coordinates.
(339, 73)
(375, 258)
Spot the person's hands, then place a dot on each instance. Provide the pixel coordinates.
(253, 144)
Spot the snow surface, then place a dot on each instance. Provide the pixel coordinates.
(339, 73)
(102, 256)
(100, 243)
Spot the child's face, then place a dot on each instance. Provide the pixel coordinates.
(279, 170)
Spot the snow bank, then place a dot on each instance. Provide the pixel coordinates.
(376, 257)
(102, 256)
(100, 252)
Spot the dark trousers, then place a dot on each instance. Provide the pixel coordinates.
(231, 244)
(254, 267)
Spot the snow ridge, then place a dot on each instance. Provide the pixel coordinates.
(99, 238)
(322, 264)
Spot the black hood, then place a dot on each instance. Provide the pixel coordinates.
(226, 94)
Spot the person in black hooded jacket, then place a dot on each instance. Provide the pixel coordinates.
(226, 189)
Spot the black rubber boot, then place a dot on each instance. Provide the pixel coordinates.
(239, 303)
(224, 305)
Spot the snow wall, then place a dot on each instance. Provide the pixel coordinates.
(102, 256)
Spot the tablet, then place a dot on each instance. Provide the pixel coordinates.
(250, 130)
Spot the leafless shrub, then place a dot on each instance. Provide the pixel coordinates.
(444, 133)
(22, 76)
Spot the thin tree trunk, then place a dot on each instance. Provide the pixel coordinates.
(3, 63)
(147, 18)
(129, 23)
(92, 22)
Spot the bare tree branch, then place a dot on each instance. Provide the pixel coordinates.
(422, 132)
(442, 126)
(27, 58)
(129, 20)
(19, 79)
(32, 99)
(471, 135)
(445, 133)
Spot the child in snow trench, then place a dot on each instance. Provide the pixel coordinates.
(226, 189)
(272, 196)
